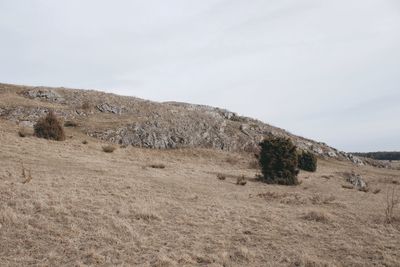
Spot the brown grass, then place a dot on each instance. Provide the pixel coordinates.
(317, 216)
(26, 174)
(83, 208)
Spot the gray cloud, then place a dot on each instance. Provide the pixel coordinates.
(328, 70)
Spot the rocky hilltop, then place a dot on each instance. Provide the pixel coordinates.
(137, 122)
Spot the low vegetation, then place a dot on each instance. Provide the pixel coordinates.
(241, 180)
(50, 127)
(316, 216)
(307, 161)
(26, 174)
(278, 161)
(392, 203)
(157, 166)
(221, 176)
(71, 124)
(109, 148)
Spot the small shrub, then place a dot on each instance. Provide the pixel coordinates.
(50, 127)
(109, 148)
(376, 191)
(85, 142)
(278, 161)
(241, 180)
(85, 105)
(157, 166)
(70, 124)
(316, 216)
(221, 176)
(307, 161)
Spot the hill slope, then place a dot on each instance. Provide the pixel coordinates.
(70, 204)
(133, 121)
(84, 207)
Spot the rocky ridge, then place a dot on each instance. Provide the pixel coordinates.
(133, 121)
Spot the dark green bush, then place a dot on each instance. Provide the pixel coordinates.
(307, 161)
(49, 127)
(278, 161)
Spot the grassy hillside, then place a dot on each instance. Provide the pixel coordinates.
(83, 207)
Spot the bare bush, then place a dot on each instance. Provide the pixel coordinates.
(50, 127)
(392, 202)
(241, 180)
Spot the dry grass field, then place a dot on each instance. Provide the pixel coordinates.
(76, 205)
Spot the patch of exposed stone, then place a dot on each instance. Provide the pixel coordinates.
(162, 125)
(107, 108)
(357, 181)
(45, 94)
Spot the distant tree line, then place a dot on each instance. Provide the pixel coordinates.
(380, 155)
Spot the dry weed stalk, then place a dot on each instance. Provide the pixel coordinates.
(26, 174)
(392, 201)
(241, 180)
(221, 176)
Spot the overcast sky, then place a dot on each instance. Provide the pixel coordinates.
(326, 70)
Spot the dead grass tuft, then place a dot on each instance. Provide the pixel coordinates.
(316, 216)
(26, 174)
(109, 148)
(241, 180)
(376, 191)
(146, 216)
(50, 127)
(221, 176)
(71, 124)
(319, 199)
(157, 166)
(347, 186)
